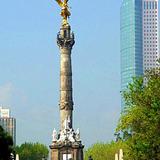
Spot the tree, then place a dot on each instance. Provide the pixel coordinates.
(104, 151)
(139, 124)
(32, 151)
(6, 145)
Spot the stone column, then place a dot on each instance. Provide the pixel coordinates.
(65, 41)
(116, 156)
(120, 154)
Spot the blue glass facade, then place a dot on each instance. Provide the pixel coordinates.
(131, 41)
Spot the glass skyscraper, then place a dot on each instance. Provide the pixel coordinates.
(131, 41)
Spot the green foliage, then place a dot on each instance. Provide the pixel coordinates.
(32, 151)
(104, 151)
(139, 124)
(6, 145)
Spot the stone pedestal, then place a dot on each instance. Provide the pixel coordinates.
(66, 151)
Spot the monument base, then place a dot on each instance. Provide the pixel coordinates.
(67, 151)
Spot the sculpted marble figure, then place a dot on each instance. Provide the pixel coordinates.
(54, 135)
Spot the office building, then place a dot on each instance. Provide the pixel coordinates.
(150, 34)
(131, 41)
(8, 123)
(139, 39)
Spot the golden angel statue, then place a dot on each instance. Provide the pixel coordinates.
(65, 13)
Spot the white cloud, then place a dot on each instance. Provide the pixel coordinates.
(6, 92)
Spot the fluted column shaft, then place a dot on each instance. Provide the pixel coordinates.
(65, 41)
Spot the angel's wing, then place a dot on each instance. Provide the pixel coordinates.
(59, 2)
(66, 1)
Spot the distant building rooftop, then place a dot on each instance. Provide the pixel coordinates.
(4, 112)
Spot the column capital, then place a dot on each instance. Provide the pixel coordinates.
(65, 38)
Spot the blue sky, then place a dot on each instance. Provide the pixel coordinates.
(29, 67)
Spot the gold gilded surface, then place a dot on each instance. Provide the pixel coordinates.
(65, 13)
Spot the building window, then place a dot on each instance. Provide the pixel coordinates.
(155, 5)
(144, 5)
